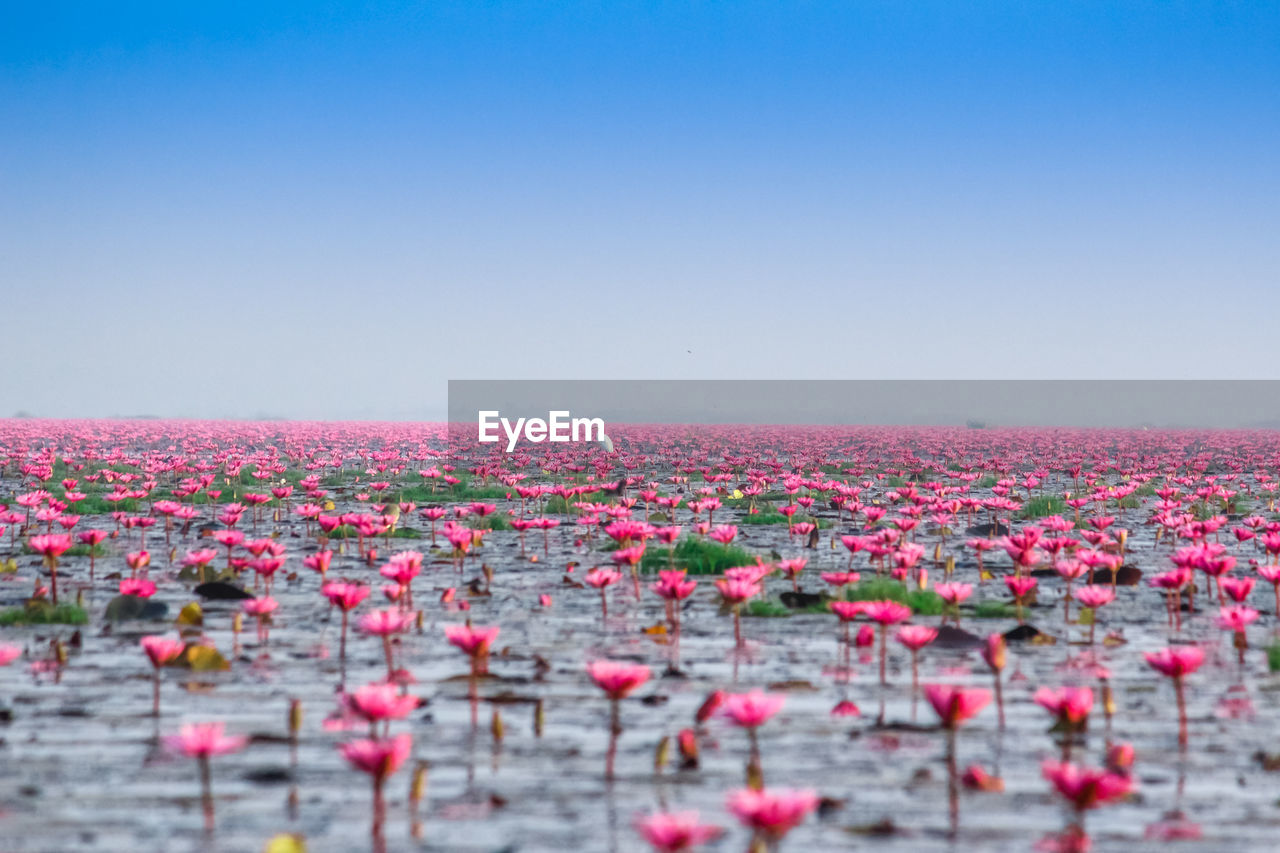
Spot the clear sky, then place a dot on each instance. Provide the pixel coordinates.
(326, 210)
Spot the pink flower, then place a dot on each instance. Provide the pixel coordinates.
(50, 545)
(1095, 596)
(1236, 617)
(472, 640)
(137, 586)
(956, 704)
(736, 591)
(954, 593)
(847, 610)
(318, 562)
(886, 612)
(600, 578)
(1176, 661)
(382, 701)
(260, 607)
(346, 596)
(846, 708)
(916, 637)
(1085, 787)
(751, 709)
(674, 832)
(162, 650)
(384, 623)
(1237, 588)
(773, 813)
(378, 758)
(1069, 704)
(723, 533)
(8, 654)
(617, 679)
(1019, 586)
(672, 585)
(202, 740)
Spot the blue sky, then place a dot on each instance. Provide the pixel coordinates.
(327, 210)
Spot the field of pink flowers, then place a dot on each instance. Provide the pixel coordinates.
(340, 636)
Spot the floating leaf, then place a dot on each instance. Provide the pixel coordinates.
(206, 659)
(794, 684)
(191, 615)
(659, 628)
(126, 607)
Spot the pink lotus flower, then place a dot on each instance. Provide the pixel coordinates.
(886, 612)
(379, 758)
(260, 607)
(752, 709)
(772, 813)
(847, 611)
(1085, 787)
(8, 654)
(724, 533)
(954, 593)
(162, 650)
(203, 740)
(736, 591)
(139, 587)
(617, 679)
(345, 596)
(473, 641)
(1095, 596)
(1176, 661)
(1071, 705)
(916, 637)
(1236, 617)
(381, 701)
(50, 545)
(954, 705)
(383, 623)
(675, 832)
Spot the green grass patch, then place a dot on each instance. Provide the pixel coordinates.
(463, 491)
(987, 482)
(75, 551)
(994, 610)
(493, 521)
(779, 518)
(699, 556)
(557, 504)
(764, 608)
(1044, 505)
(923, 601)
(41, 612)
(1273, 657)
